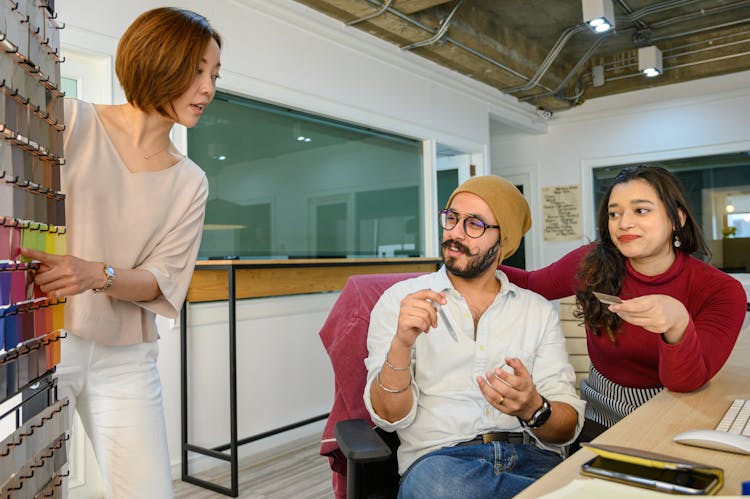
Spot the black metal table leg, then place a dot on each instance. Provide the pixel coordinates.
(183, 391)
(225, 452)
(234, 460)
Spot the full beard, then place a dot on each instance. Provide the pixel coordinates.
(477, 264)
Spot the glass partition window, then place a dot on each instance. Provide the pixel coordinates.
(718, 192)
(737, 207)
(286, 184)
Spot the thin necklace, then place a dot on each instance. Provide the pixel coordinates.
(147, 155)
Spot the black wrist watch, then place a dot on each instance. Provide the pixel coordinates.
(540, 416)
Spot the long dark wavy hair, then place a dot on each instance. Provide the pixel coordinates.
(604, 268)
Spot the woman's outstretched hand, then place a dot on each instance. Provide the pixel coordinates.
(59, 276)
(656, 313)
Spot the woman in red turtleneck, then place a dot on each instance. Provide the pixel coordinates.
(679, 318)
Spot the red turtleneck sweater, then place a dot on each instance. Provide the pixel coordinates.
(638, 358)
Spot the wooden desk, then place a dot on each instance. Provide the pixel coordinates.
(264, 278)
(653, 425)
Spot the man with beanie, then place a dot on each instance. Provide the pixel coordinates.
(470, 370)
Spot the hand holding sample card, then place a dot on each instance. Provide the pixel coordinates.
(661, 314)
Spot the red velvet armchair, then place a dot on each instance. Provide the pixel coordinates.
(349, 440)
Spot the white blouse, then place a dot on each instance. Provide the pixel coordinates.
(145, 220)
(448, 406)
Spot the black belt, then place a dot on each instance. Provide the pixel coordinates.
(508, 437)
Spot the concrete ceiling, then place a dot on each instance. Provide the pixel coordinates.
(541, 52)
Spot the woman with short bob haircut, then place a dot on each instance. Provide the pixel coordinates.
(149, 72)
(679, 318)
(135, 208)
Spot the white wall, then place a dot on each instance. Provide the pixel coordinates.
(282, 52)
(708, 116)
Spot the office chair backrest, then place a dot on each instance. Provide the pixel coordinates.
(344, 336)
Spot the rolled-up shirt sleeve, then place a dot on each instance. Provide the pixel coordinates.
(383, 323)
(172, 261)
(553, 374)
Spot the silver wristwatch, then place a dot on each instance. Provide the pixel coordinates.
(109, 271)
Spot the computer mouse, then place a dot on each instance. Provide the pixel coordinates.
(715, 439)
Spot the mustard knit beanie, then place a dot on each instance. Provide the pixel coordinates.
(507, 204)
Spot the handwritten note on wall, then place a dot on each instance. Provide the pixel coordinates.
(561, 210)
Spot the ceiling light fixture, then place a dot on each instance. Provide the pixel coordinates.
(598, 14)
(650, 61)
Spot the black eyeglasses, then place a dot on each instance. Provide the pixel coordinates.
(473, 227)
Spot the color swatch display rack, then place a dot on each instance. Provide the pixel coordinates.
(33, 422)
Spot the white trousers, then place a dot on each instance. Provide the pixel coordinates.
(117, 393)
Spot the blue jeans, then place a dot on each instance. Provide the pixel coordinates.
(495, 470)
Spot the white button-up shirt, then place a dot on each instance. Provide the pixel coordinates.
(448, 406)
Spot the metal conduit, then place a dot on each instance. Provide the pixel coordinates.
(652, 9)
(686, 65)
(580, 27)
(542, 70)
(456, 43)
(437, 36)
(672, 54)
(700, 30)
(711, 40)
(633, 60)
(700, 13)
(572, 72)
(375, 14)
(629, 11)
(485, 58)
(673, 51)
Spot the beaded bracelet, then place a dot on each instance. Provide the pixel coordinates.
(390, 390)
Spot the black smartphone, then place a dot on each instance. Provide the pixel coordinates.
(680, 481)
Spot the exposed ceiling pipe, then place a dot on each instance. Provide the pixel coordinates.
(542, 70)
(440, 33)
(673, 52)
(652, 9)
(551, 56)
(375, 14)
(456, 43)
(633, 17)
(568, 34)
(572, 72)
(685, 65)
(629, 11)
(701, 30)
(701, 13)
(711, 45)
